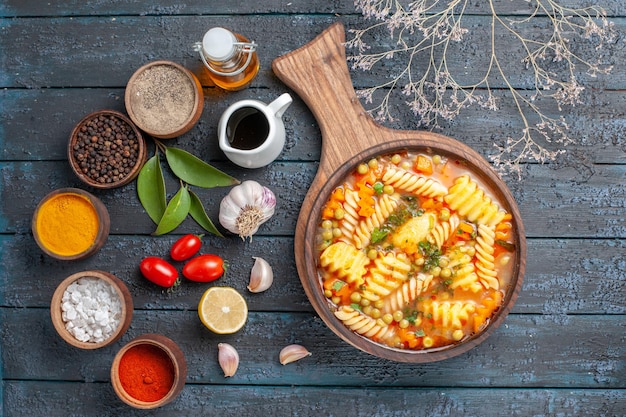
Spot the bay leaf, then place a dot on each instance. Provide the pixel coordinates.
(151, 188)
(176, 211)
(195, 171)
(197, 212)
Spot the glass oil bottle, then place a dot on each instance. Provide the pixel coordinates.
(230, 58)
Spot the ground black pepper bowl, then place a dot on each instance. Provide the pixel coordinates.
(106, 150)
(164, 99)
(125, 303)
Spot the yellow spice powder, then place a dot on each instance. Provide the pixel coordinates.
(67, 224)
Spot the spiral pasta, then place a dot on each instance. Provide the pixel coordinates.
(413, 183)
(346, 261)
(406, 293)
(362, 324)
(388, 273)
(448, 314)
(470, 201)
(442, 231)
(464, 275)
(351, 216)
(485, 267)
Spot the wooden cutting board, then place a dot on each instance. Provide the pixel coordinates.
(319, 74)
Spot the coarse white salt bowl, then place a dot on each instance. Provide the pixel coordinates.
(120, 291)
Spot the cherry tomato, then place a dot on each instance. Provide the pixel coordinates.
(185, 247)
(159, 271)
(204, 268)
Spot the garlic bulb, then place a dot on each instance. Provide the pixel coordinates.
(246, 207)
(228, 358)
(293, 353)
(261, 276)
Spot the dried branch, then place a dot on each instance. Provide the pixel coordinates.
(424, 32)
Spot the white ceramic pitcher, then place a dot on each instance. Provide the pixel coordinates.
(252, 133)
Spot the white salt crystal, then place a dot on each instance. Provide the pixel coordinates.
(91, 309)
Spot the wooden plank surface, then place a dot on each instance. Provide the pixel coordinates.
(561, 352)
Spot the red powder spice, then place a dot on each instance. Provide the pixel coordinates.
(146, 372)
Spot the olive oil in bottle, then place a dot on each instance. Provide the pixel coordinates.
(230, 59)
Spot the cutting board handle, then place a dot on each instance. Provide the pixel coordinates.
(318, 73)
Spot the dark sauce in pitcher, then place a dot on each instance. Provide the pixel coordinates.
(247, 128)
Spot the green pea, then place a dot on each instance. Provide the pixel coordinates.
(327, 224)
(362, 169)
(327, 234)
(355, 297)
(397, 315)
(339, 213)
(403, 324)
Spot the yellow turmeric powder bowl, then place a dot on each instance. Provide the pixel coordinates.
(70, 224)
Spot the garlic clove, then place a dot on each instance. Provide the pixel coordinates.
(293, 353)
(228, 359)
(261, 276)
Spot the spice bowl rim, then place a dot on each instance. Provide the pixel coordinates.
(126, 303)
(174, 353)
(194, 115)
(104, 224)
(142, 155)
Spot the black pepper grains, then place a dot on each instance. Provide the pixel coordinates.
(105, 149)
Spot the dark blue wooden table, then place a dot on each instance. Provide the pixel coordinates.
(560, 352)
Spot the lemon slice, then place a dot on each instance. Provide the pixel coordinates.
(223, 310)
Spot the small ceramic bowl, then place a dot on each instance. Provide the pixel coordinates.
(108, 289)
(54, 229)
(118, 146)
(170, 362)
(164, 99)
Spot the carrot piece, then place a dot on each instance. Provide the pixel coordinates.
(366, 202)
(338, 195)
(466, 227)
(424, 164)
(428, 204)
(503, 226)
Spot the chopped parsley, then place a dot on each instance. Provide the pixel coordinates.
(431, 255)
(378, 234)
(337, 285)
(410, 315)
(420, 333)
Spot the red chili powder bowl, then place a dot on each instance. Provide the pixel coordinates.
(149, 371)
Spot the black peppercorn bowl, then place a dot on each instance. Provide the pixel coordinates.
(106, 150)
